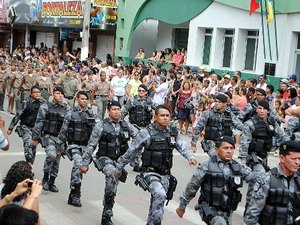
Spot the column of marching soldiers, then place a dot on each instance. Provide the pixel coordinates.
(66, 125)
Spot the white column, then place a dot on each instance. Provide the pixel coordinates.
(86, 31)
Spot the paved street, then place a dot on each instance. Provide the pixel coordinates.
(131, 203)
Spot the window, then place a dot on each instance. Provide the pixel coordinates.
(227, 50)
(122, 23)
(251, 50)
(207, 44)
(181, 38)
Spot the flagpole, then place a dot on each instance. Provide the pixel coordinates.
(275, 30)
(263, 29)
(268, 30)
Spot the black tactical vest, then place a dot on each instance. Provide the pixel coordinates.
(29, 114)
(217, 127)
(276, 208)
(158, 156)
(113, 144)
(54, 118)
(261, 142)
(220, 192)
(80, 127)
(140, 112)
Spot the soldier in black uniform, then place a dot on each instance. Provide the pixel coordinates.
(140, 110)
(27, 117)
(47, 126)
(76, 131)
(112, 136)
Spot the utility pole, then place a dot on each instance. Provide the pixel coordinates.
(86, 30)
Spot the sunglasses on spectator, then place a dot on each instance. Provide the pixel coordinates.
(142, 90)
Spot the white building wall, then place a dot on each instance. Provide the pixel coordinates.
(221, 17)
(144, 36)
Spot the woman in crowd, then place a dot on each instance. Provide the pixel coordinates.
(183, 111)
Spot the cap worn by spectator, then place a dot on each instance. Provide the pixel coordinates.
(222, 98)
(207, 70)
(289, 146)
(293, 76)
(59, 89)
(264, 104)
(227, 76)
(225, 139)
(285, 81)
(262, 91)
(144, 87)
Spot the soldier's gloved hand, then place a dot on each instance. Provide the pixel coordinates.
(84, 169)
(192, 161)
(180, 212)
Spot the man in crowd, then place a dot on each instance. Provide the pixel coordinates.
(27, 117)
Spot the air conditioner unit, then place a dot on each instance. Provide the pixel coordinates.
(270, 69)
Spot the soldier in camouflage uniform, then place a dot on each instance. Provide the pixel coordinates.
(45, 83)
(112, 136)
(27, 117)
(217, 122)
(219, 178)
(158, 139)
(140, 110)
(47, 126)
(275, 199)
(9, 89)
(76, 130)
(29, 79)
(249, 110)
(256, 140)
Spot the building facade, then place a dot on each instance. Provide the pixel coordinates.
(218, 33)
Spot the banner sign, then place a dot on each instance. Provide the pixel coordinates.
(104, 14)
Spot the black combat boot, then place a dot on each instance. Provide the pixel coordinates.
(74, 196)
(106, 220)
(52, 186)
(108, 204)
(45, 182)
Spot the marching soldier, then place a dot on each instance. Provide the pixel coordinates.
(112, 136)
(275, 199)
(76, 131)
(27, 117)
(45, 83)
(158, 139)
(15, 86)
(27, 82)
(47, 126)
(70, 86)
(217, 122)
(3, 74)
(140, 110)
(219, 179)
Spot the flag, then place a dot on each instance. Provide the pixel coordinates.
(270, 12)
(254, 5)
